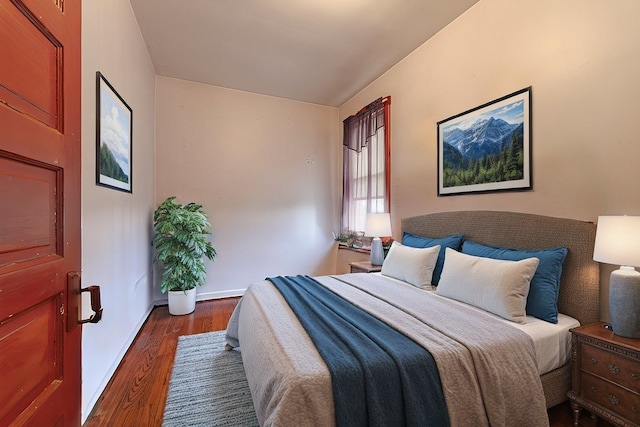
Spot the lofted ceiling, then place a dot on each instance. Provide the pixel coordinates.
(317, 51)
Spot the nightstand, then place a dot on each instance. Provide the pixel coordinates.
(606, 375)
(364, 267)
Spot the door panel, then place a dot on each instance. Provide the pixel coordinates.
(31, 355)
(30, 79)
(30, 197)
(39, 211)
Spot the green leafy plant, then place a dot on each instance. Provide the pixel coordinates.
(349, 238)
(180, 243)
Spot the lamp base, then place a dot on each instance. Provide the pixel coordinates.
(377, 253)
(624, 301)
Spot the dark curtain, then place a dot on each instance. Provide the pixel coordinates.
(359, 128)
(366, 164)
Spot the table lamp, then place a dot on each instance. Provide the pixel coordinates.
(377, 225)
(618, 242)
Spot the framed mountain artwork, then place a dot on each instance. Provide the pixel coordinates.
(113, 137)
(487, 148)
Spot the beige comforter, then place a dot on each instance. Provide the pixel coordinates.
(487, 368)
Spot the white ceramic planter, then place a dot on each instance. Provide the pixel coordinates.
(181, 302)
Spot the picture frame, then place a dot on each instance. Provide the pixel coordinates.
(487, 148)
(114, 138)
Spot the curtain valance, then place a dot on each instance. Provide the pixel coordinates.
(360, 127)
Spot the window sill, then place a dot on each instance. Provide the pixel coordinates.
(364, 250)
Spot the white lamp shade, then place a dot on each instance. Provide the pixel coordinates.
(378, 225)
(618, 240)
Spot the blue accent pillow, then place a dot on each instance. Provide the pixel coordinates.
(453, 242)
(542, 301)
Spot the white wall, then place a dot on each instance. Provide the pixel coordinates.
(582, 59)
(262, 167)
(116, 226)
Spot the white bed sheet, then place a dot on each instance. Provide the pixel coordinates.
(552, 342)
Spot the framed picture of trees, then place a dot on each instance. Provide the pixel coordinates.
(487, 148)
(114, 120)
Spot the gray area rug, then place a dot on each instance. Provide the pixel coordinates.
(208, 386)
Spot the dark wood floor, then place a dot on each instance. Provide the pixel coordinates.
(136, 394)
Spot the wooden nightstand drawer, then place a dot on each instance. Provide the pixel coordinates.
(616, 399)
(612, 366)
(605, 375)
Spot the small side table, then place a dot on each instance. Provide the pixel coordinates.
(364, 267)
(606, 375)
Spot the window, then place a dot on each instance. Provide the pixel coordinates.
(365, 168)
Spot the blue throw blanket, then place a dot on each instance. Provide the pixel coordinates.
(379, 376)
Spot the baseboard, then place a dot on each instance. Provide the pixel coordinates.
(220, 294)
(205, 296)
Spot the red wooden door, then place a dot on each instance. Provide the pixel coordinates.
(39, 211)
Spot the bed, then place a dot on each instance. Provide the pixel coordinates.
(289, 379)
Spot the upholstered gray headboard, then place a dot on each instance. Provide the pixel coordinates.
(580, 281)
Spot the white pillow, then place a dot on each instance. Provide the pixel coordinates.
(412, 265)
(498, 286)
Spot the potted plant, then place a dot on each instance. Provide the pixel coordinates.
(180, 245)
